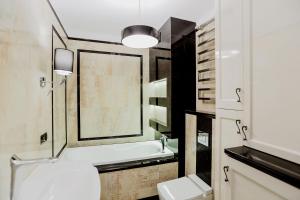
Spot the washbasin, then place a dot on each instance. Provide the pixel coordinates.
(63, 180)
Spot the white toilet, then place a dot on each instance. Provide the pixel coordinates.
(186, 188)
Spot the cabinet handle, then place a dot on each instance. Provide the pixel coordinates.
(237, 91)
(226, 169)
(244, 129)
(238, 122)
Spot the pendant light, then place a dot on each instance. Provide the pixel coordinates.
(140, 36)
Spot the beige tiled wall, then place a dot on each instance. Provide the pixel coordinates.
(190, 144)
(110, 95)
(148, 133)
(25, 56)
(136, 183)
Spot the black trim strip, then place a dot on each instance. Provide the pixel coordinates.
(56, 32)
(56, 16)
(92, 40)
(156, 197)
(78, 93)
(205, 60)
(206, 51)
(52, 96)
(206, 70)
(279, 168)
(205, 79)
(206, 98)
(156, 125)
(205, 41)
(205, 32)
(108, 137)
(157, 58)
(158, 101)
(162, 58)
(135, 164)
(160, 48)
(200, 97)
(206, 89)
(206, 114)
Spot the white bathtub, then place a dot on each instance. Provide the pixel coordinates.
(117, 153)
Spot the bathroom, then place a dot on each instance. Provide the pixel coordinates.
(148, 100)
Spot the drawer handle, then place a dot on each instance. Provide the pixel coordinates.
(238, 122)
(226, 169)
(237, 91)
(244, 129)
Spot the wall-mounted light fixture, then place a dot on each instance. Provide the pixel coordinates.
(63, 61)
(63, 65)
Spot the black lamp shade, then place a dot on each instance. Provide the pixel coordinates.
(140, 36)
(63, 61)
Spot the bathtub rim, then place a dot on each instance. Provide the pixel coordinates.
(167, 154)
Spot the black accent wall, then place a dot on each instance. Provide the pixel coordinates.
(204, 152)
(183, 90)
(179, 36)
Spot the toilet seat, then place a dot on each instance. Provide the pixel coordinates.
(186, 188)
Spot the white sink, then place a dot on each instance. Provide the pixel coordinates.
(63, 180)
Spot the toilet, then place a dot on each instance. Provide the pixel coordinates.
(192, 187)
(185, 188)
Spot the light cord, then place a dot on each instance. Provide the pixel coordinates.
(140, 13)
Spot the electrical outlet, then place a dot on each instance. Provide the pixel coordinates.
(44, 138)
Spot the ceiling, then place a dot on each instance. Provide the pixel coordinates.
(105, 19)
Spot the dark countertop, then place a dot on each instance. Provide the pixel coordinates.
(136, 164)
(279, 168)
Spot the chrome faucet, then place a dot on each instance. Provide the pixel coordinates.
(163, 140)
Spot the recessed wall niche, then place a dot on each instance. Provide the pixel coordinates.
(110, 95)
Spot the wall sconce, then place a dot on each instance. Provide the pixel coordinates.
(63, 65)
(63, 61)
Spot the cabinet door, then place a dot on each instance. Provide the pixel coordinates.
(272, 60)
(228, 134)
(229, 55)
(247, 183)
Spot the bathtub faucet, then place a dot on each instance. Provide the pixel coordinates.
(163, 140)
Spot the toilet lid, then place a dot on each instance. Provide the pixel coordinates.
(206, 188)
(179, 189)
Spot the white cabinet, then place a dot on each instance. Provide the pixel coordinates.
(246, 183)
(230, 131)
(272, 60)
(230, 55)
(228, 134)
(257, 50)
